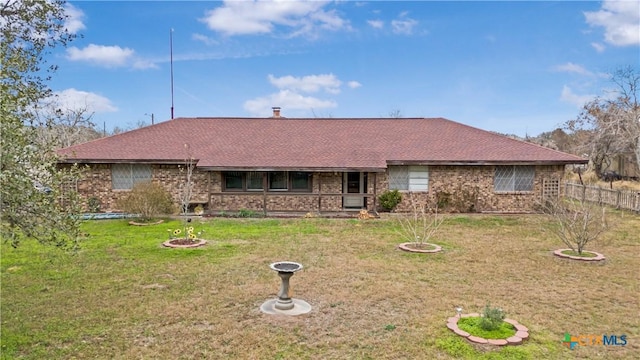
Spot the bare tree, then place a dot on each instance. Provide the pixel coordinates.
(576, 223)
(421, 223)
(613, 121)
(395, 114)
(60, 128)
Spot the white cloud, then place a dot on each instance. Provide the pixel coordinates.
(261, 17)
(204, 39)
(403, 24)
(620, 19)
(142, 64)
(108, 56)
(290, 95)
(287, 100)
(569, 96)
(310, 83)
(376, 24)
(599, 47)
(111, 56)
(73, 23)
(77, 99)
(573, 68)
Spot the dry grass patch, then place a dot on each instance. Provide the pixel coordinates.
(125, 296)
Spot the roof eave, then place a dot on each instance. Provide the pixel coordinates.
(293, 168)
(486, 162)
(122, 161)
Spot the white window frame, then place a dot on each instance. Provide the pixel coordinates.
(413, 178)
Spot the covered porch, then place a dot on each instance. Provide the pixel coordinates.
(284, 192)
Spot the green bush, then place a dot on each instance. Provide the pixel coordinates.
(93, 204)
(390, 199)
(491, 318)
(148, 200)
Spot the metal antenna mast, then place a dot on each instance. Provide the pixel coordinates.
(171, 60)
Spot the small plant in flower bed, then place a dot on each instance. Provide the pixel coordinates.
(491, 318)
(473, 327)
(188, 233)
(490, 325)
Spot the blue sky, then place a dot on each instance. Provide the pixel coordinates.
(506, 66)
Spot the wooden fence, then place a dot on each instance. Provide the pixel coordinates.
(629, 200)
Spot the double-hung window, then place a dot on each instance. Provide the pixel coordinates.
(513, 178)
(125, 176)
(409, 178)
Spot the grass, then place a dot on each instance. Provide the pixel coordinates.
(585, 253)
(472, 326)
(124, 296)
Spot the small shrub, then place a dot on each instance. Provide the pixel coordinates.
(148, 200)
(463, 199)
(491, 318)
(443, 199)
(473, 326)
(93, 204)
(390, 199)
(245, 213)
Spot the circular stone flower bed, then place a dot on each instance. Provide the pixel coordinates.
(586, 255)
(420, 247)
(522, 332)
(184, 243)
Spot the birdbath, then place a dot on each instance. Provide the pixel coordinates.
(284, 304)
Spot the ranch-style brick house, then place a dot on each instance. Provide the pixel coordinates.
(333, 165)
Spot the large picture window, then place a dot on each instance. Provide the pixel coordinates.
(409, 178)
(125, 176)
(513, 178)
(293, 181)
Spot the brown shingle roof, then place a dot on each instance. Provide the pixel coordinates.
(286, 143)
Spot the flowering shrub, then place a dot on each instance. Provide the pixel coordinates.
(185, 233)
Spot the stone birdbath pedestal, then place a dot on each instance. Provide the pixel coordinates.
(284, 304)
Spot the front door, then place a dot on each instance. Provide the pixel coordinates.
(353, 184)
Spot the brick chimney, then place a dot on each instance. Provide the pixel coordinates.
(276, 111)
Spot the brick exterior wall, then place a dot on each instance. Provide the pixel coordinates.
(469, 188)
(96, 183)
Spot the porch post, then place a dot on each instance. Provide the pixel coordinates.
(264, 193)
(319, 193)
(375, 192)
